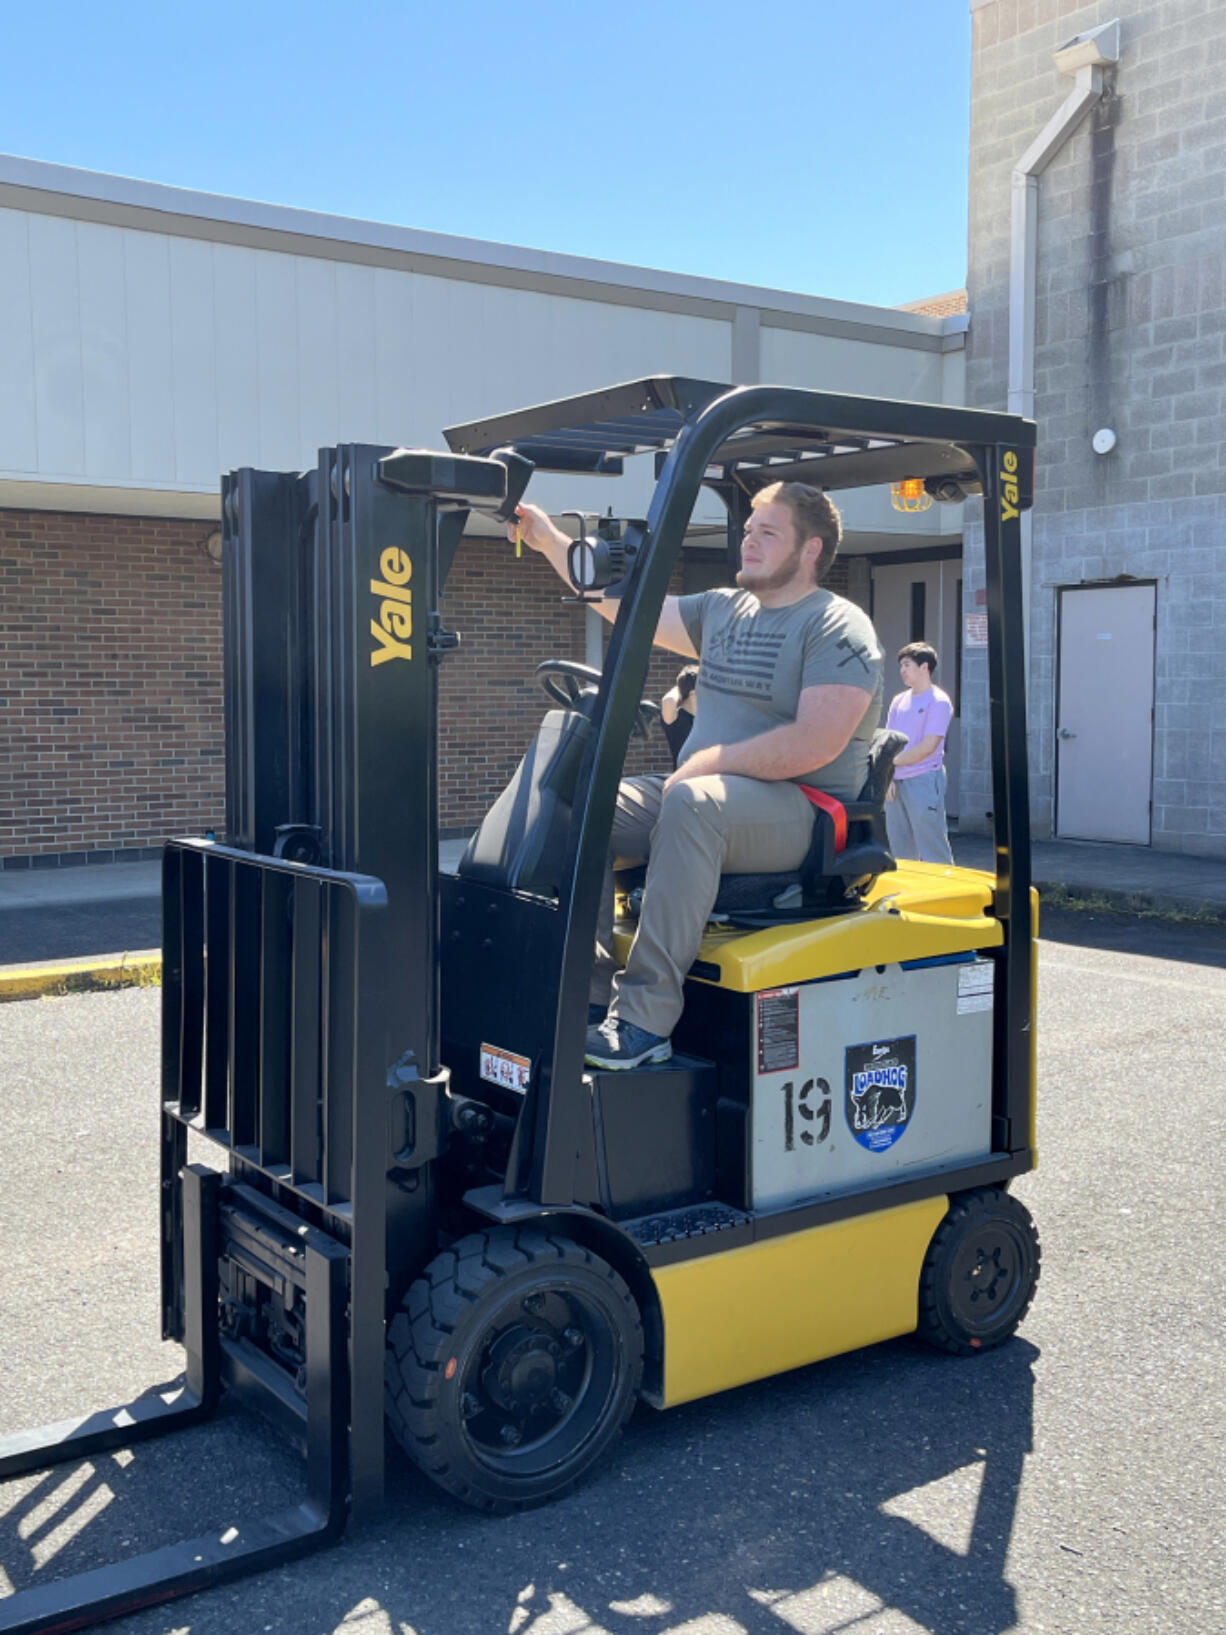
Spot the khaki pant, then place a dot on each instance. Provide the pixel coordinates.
(701, 829)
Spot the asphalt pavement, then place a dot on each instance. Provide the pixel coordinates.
(1068, 1484)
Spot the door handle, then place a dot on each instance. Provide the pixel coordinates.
(1065, 733)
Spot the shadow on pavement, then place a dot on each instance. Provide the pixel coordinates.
(79, 930)
(1195, 943)
(805, 1502)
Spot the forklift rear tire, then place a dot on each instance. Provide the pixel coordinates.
(980, 1273)
(511, 1367)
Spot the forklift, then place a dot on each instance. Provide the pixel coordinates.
(424, 1214)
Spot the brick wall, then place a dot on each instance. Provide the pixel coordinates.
(511, 616)
(111, 680)
(110, 684)
(1131, 335)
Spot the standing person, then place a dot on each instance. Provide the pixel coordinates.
(915, 806)
(789, 693)
(678, 708)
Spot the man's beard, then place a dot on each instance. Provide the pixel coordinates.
(784, 574)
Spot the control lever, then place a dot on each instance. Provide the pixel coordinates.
(519, 469)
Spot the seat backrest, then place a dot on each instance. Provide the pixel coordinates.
(886, 744)
(522, 840)
(868, 809)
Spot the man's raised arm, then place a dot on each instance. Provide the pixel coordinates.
(541, 535)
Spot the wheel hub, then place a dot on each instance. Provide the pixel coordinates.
(987, 1275)
(522, 1370)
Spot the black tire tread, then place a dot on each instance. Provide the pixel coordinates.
(932, 1327)
(419, 1336)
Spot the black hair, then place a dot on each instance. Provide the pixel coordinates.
(920, 653)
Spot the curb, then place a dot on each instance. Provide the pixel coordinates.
(1138, 904)
(96, 974)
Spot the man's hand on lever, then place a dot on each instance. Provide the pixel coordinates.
(542, 535)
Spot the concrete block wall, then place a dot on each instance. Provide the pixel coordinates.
(1131, 335)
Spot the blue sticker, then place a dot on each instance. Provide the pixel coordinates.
(880, 1091)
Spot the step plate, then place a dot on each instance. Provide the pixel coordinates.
(677, 1227)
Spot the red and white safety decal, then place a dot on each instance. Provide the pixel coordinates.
(505, 1068)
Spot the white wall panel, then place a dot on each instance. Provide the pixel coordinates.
(395, 358)
(18, 401)
(150, 356)
(104, 351)
(356, 395)
(55, 323)
(318, 360)
(144, 360)
(482, 350)
(829, 363)
(236, 331)
(276, 330)
(193, 361)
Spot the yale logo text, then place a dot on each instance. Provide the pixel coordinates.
(1008, 488)
(394, 626)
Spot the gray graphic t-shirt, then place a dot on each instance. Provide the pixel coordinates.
(756, 661)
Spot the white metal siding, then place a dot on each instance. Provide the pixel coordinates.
(133, 358)
(134, 361)
(829, 363)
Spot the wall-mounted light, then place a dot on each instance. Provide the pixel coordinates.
(211, 546)
(1103, 441)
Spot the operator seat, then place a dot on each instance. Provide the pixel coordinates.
(846, 855)
(521, 843)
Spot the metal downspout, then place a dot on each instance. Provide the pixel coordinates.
(1088, 86)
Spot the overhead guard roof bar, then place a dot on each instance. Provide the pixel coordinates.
(848, 442)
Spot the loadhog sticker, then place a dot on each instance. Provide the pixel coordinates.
(880, 1091)
(503, 1067)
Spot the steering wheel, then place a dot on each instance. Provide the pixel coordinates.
(563, 680)
(567, 682)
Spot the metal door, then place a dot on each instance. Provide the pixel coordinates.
(919, 601)
(1105, 713)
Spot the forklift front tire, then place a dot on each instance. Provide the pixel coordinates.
(511, 1367)
(980, 1273)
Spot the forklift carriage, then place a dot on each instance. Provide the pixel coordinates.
(424, 1207)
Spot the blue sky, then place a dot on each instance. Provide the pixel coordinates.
(816, 146)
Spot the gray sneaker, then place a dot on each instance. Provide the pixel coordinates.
(616, 1044)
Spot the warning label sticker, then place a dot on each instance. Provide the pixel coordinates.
(975, 986)
(778, 1030)
(505, 1068)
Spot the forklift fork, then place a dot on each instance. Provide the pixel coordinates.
(319, 1265)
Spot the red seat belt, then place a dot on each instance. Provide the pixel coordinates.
(836, 809)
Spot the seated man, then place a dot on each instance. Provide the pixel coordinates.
(789, 692)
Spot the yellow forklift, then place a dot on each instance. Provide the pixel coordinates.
(424, 1213)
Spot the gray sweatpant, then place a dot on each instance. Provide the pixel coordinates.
(915, 818)
(701, 829)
